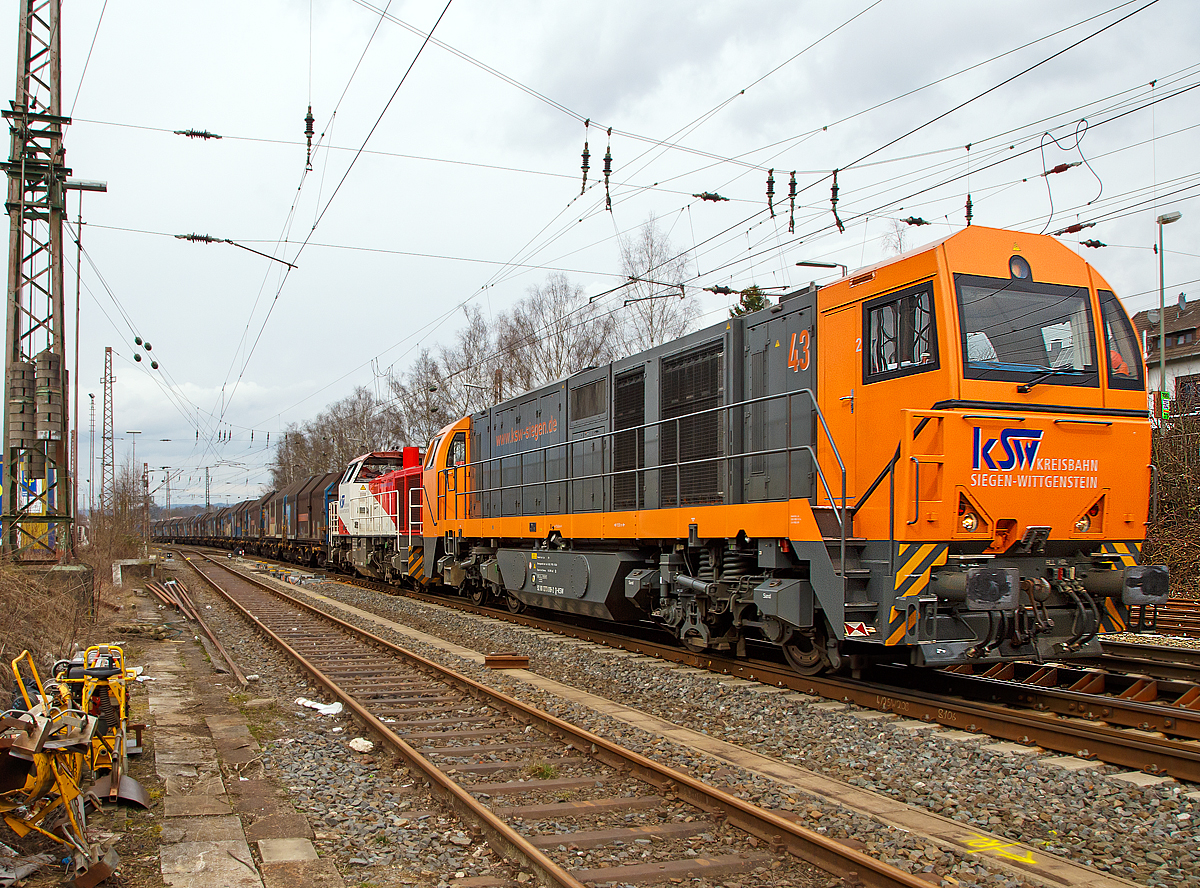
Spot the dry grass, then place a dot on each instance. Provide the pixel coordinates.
(39, 616)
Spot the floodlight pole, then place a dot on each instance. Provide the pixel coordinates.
(80, 185)
(36, 478)
(1164, 219)
(813, 263)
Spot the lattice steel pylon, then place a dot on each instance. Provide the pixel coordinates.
(37, 518)
(108, 469)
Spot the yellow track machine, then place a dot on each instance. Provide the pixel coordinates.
(97, 679)
(43, 752)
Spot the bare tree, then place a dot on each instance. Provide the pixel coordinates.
(467, 367)
(442, 386)
(357, 424)
(415, 395)
(553, 332)
(894, 239)
(657, 309)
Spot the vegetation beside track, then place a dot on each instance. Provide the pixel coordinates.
(1173, 535)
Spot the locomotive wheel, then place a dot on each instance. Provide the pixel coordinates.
(806, 655)
(515, 605)
(478, 594)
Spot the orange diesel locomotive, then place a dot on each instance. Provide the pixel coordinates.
(940, 459)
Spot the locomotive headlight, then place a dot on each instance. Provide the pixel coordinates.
(1083, 525)
(968, 522)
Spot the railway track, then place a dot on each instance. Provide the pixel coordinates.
(1170, 663)
(1128, 720)
(1132, 720)
(1179, 617)
(514, 773)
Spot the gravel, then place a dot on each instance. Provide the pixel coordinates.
(1143, 834)
(1178, 641)
(380, 825)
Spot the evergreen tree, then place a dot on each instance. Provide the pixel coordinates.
(750, 299)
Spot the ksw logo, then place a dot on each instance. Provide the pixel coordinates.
(1020, 447)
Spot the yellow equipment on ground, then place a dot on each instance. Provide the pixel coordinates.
(43, 750)
(98, 680)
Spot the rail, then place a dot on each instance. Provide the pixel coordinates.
(781, 835)
(1039, 867)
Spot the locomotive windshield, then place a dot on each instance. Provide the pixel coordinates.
(373, 468)
(1016, 329)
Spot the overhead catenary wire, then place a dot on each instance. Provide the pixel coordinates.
(333, 196)
(848, 195)
(87, 61)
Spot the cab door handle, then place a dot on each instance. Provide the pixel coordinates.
(850, 398)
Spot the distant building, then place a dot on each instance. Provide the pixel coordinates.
(1182, 353)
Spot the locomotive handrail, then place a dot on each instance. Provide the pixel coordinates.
(840, 505)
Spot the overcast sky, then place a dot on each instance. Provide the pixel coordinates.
(469, 188)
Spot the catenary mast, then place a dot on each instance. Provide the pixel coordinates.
(37, 500)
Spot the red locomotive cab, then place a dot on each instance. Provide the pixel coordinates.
(400, 493)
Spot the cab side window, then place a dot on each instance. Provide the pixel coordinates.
(1121, 345)
(899, 334)
(456, 454)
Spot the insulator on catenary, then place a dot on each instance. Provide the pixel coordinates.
(710, 195)
(1074, 229)
(1093, 243)
(970, 210)
(833, 199)
(1061, 168)
(308, 134)
(608, 172)
(792, 204)
(771, 191)
(587, 156)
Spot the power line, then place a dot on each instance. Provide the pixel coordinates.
(88, 60)
(1002, 83)
(333, 196)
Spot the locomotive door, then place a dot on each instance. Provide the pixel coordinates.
(840, 381)
(780, 362)
(454, 475)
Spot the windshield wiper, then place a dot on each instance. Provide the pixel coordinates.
(1026, 387)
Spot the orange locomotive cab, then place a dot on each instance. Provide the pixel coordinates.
(1001, 449)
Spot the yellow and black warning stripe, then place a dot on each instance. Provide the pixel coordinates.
(1130, 553)
(416, 561)
(1113, 617)
(914, 563)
